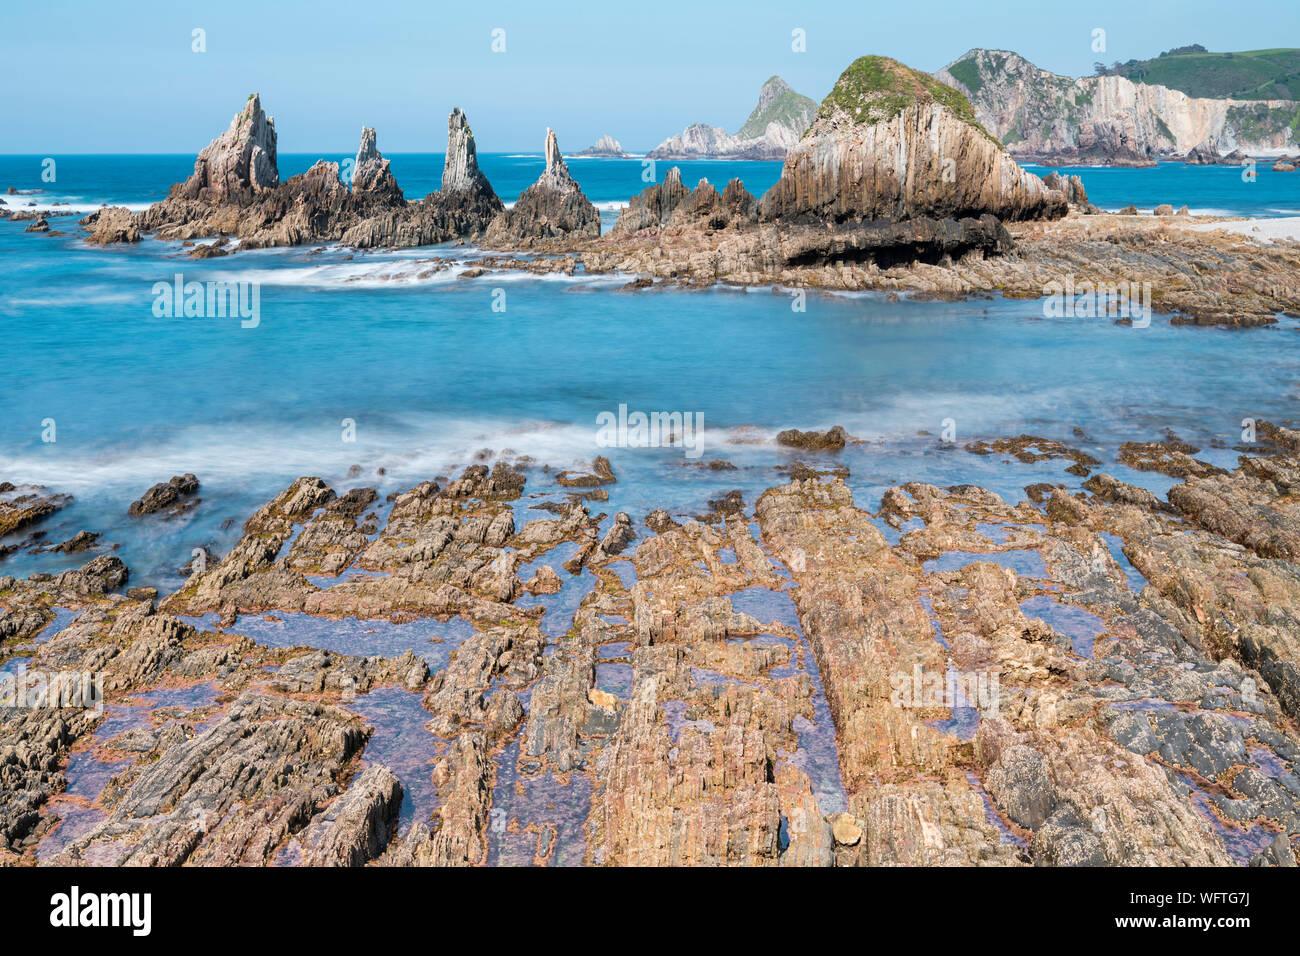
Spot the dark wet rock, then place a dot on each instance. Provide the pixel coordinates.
(1279, 853)
(22, 507)
(601, 473)
(1205, 153)
(80, 541)
(1110, 489)
(209, 250)
(552, 207)
(654, 207)
(833, 439)
(619, 536)
(660, 521)
(98, 576)
(357, 826)
(165, 495)
(1032, 449)
(886, 243)
(1170, 457)
(353, 502)
(732, 503)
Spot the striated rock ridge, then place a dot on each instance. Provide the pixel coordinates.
(774, 126)
(240, 160)
(671, 205)
(1108, 119)
(890, 142)
(552, 207)
(460, 172)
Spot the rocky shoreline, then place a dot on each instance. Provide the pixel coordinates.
(794, 684)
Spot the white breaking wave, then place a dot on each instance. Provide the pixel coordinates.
(389, 273)
(410, 448)
(45, 202)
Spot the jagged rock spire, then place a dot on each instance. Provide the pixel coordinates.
(370, 172)
(552, 207)
(556, 174)
(460, 172)
(242, 158)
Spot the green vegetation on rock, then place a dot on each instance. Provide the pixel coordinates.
(876, 88)
(967, 74)
(1250, 75)
(778, 104)
(1258, 121)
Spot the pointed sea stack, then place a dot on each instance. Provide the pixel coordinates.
(466, 204)
(460, 172)
(551, 208)
(240, 161)
(371, 177)
(893, 143)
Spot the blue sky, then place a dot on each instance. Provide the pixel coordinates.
(87, 77)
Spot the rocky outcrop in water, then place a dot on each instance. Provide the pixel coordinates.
(606, 146)
(1107, 119)
(552, 207)
(774, 126)
(317, 206)
(1071, 187)
(24, 505)
(109, 225)
(175, 495)
(670, 205)
(890, 142)
(240, 161)
(1203, 154)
